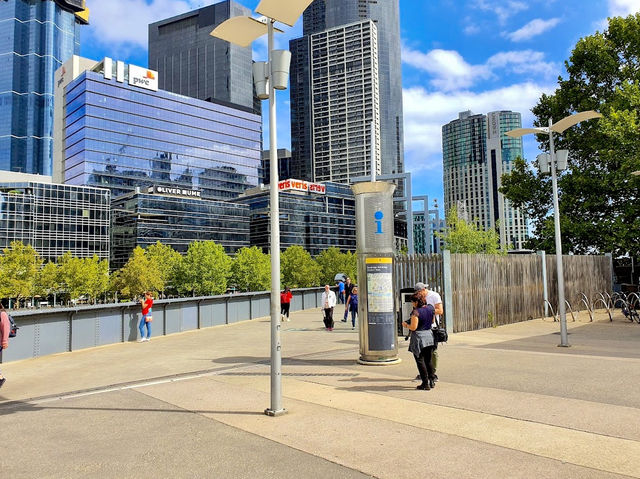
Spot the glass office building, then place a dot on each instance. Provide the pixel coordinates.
(315, 221)
(120, 133)
(37, 37)
(55, 218)
(191, 62)
(476, 153)
(143, 218)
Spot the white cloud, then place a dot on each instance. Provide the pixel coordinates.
(623, 7)
(118, 22)
(503, 10)
(533, 28)
(426, 112)
(450, 72)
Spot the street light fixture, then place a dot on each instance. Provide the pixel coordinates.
(269, 76)
(559, 127)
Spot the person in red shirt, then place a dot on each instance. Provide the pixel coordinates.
(5, 326)
(285, 303)
(146, 303)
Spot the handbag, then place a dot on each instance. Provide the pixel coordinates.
(148, 318)
(441, 335)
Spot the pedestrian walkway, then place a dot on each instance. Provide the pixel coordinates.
(509, 403)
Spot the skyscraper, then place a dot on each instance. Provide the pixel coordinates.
(476, 153)
(328, 15)
(191, 62)
(37, 37)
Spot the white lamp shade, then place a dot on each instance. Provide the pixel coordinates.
(544, 163)
(280, 60)
(285, 11)
(561, 159)
(260, 79)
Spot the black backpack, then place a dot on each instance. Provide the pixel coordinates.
(13, 328)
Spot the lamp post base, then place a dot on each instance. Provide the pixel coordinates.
(272, 413)
(564, 345)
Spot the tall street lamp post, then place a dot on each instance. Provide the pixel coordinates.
(269, 76)
(559, 127)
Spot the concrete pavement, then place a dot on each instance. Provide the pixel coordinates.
(510, 403)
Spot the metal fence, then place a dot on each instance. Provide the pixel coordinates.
(57, 330)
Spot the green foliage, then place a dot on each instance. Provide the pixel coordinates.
(463, 237)
(168, 262)
(298, 269)
(251, 270)
(48, 280)
(599, 208)
(83, 276)
(205, 269)
(332, 262)
(140, 274)
(19, 267)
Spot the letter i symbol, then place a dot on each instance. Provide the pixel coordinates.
(378, 216)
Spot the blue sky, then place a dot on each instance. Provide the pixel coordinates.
(479, 55)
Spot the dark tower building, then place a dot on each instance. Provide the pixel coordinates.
(191, 62)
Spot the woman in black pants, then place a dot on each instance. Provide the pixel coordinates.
(421, 343)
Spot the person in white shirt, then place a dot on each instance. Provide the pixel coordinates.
(434, 299)
(328, 303)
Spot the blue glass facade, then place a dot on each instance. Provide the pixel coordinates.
(37, 37)
(315, 222)
(142, 219)
(121, 137)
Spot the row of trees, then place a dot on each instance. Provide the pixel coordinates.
(204, 270)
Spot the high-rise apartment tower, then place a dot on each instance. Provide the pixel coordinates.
(313, 57)
(37, 37)
(476, 153)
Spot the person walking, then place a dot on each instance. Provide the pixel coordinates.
(5, 328)
(285, 303)
(348, 287)
(341, 297)
(328, 302)
(433, 298)
(421, 342)
(352, 305)
(146, 303)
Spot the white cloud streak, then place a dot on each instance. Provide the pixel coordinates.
(623, 7)
(450, 72)
(532, 29)
(503, 10)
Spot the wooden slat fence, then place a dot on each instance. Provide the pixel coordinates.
(582, 274)
(425, 268)
(493, 290)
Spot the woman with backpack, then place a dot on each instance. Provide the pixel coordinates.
(352, 305)
(5, 327)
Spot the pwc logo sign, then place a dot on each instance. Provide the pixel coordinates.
(143, 78)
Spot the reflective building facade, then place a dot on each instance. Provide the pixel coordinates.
(55, 218)
(476, 153)
(142, 219)
(37, 37)
(323, 15)
(191, 62)
(120, 136)
(314, 221)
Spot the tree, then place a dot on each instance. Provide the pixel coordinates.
(48, 280)
(168, 262)
(83, 276)
(19, 267)
(205, 269)
(599, 206)
(298, 269)
(251, 270)
(140, 274)
(463, 237)
(332, 261)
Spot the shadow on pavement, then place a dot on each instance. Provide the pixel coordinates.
(17, 406)
(285, 361)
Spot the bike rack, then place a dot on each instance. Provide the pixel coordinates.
(586, 302)
(570, 310)
(553, 313)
